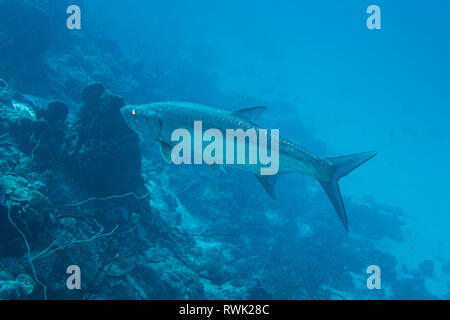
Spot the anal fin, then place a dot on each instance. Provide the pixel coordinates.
(268, 182)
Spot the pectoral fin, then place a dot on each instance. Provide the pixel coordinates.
(268, 182)
(166, 151)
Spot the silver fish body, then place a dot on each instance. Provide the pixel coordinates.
(157, 121)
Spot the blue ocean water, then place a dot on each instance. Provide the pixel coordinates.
(330, 84)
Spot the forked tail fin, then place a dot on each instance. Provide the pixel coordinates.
(340, 167)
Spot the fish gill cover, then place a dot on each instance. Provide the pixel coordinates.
(80, 191)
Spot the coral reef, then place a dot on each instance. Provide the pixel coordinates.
(12, 289)
(113, 233)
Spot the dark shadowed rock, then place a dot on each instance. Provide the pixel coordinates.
(91, 93)
(56, 111)
(101, 152)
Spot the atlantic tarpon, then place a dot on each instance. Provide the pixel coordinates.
(157, 121)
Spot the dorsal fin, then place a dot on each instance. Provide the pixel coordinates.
(250, 114)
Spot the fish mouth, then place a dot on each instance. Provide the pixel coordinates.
(127, 115)
(124, 111)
